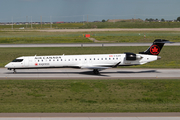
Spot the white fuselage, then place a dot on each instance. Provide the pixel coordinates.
(96, 61)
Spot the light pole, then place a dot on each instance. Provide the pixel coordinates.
(31, 22)
(12, 23)
(50, 22)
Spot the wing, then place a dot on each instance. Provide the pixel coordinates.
(100, 67)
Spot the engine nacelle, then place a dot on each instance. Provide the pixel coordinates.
(130, 56)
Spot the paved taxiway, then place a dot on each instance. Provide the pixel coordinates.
(110, 29)
(84, 45)
(90, 116)
(68, 73)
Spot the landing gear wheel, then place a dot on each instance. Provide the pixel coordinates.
(96, 71)
(14, 71)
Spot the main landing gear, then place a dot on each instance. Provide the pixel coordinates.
(14, 71)
(96, 71)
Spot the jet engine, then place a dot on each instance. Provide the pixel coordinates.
(130, 56)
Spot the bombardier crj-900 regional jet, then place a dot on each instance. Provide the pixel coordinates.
(96, 62)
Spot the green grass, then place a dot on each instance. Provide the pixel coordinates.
(131, 25)
(20, 37)
(22, 96)
(97, 25)
(170, 54)
(137, 36)
(26, 37)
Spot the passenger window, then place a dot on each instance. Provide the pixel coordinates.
(109, 58)
(101, 58)
(105, 58)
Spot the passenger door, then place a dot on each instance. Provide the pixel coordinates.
(26, 62)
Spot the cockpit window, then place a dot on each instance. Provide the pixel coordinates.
(17, 60)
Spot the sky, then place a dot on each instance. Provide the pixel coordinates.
(81, 10)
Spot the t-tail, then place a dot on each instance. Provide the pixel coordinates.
(156, 47)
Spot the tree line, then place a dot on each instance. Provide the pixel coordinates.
(162, 20)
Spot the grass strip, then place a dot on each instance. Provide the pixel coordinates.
(123, 24)
(130, 24)
(21, 96)
(26, 37)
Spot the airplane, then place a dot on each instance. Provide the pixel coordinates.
(95, 62)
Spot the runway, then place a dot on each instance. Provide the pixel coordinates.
(68, 73)
(109, 29)
(150, 114)
(90, 116)
(84, 45)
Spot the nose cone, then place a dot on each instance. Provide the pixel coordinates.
(7, 66)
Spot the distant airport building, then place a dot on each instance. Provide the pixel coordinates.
(59, 22)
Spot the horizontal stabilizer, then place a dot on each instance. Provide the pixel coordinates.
(162, 41)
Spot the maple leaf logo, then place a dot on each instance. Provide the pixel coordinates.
(154, 49)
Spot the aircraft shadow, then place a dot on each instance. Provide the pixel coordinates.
(102, 73)
(82, 73)
(147, 71)
(91, 73)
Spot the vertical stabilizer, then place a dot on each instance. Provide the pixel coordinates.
(156, 47)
